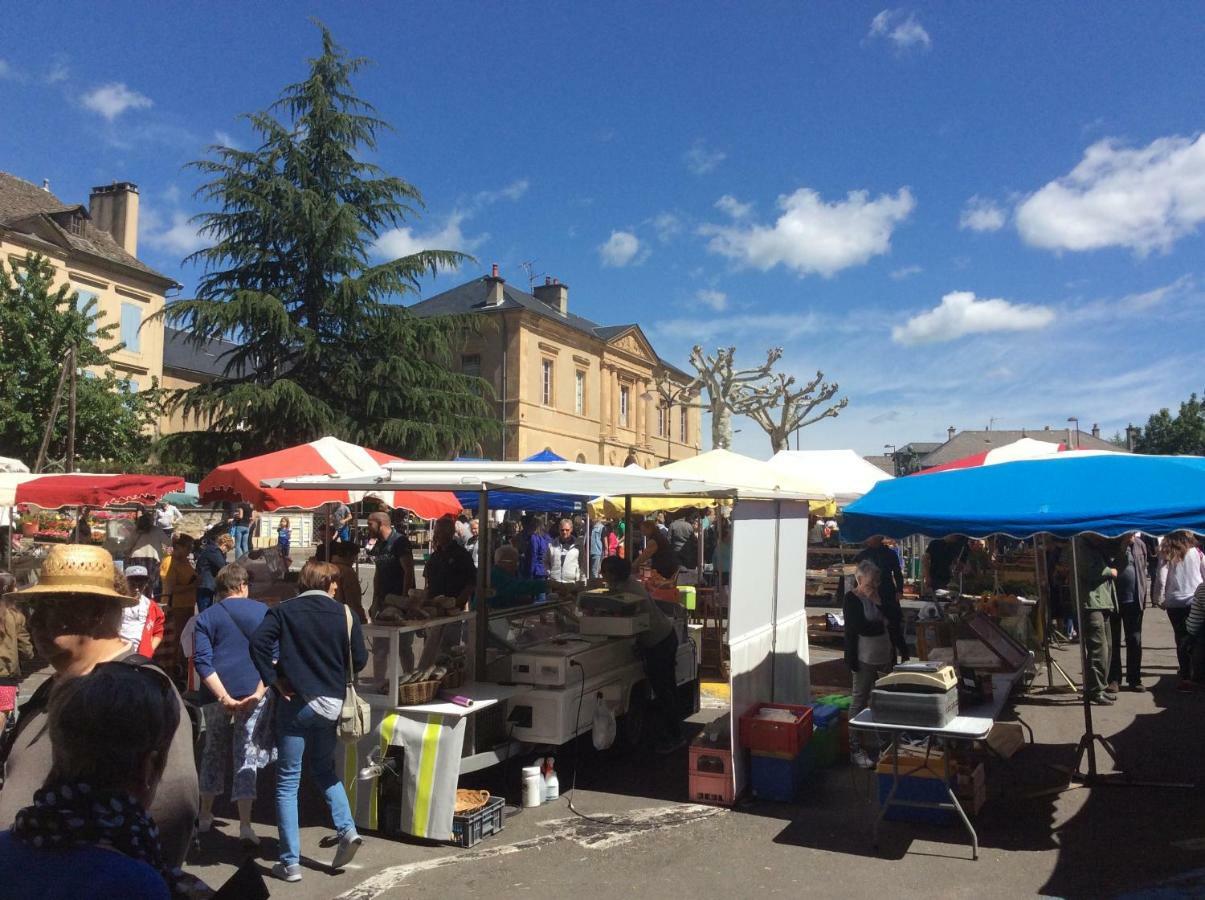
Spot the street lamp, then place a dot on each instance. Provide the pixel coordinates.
(668, 398)
(895, 463)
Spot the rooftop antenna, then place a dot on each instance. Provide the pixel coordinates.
(529, 267)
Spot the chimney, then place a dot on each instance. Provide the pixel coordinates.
(46, 185)
(114, 208)
(950, 433)
(1047, 428)
(554, 294)
(494, 295)
(1095, 430)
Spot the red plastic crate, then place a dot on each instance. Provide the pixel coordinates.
(707, 759)
(766, 736)
(715, 789)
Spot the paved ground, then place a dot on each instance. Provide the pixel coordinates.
(1108, 841)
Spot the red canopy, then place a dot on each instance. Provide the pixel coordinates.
(241, 480)
(53, 491)
(1025, 448)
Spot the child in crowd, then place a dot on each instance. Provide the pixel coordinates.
(283, 536)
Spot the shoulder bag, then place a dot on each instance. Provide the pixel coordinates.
(354, 717)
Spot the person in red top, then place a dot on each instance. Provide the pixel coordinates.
(142, 624)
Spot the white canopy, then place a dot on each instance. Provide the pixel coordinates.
(843, 473)
(751, 475)
(576, 479)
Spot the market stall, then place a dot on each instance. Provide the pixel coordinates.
(1066, 496)
(547, 681)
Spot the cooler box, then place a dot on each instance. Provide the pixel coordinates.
(779, 778)
(783, 737)
(925, 710)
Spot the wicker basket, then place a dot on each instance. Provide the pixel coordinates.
(417, 692)
(453, 679)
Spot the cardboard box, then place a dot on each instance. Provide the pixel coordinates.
(1006, 738)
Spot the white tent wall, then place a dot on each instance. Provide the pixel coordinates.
(767, 620)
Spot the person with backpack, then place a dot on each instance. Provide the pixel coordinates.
(76, 625)
(235, 697)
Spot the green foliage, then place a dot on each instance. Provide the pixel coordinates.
(323, 346)
(38, 324)
(1183, 433)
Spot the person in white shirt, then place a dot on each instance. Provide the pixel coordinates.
(166, 517)
(1181, 572)
(564, 556)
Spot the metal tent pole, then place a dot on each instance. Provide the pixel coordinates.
(483, 584)
(627, 530)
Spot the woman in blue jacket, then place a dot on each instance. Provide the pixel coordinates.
(301, 651)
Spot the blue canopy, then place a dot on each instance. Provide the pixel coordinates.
(524, 501)
(1064, 495)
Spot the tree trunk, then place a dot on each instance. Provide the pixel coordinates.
(721, 425)
(780, 440)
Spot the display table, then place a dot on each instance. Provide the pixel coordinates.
(431, 738)
(972, 724)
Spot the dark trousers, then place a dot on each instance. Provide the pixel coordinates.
(1129, 621)
(1178, 616)
(1096, 637)
(660, 661)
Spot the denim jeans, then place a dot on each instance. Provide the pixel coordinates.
(242, 540)
(301, 732)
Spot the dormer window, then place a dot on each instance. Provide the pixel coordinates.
(75, 224)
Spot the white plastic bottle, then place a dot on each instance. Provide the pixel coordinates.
(552, 785)
(533, 794)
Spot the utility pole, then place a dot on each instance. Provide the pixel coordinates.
(70, 463)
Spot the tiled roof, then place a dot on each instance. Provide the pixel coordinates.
(470, 297)
(21, 200)
(886, 463)
(967, 443)
(209, 359)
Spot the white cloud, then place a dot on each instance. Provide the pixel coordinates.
(733, 207)
(513, 191)
(812, 236)
(225, 139)
(906, 272)
(960, 313)
(111, 100)
(667, 225)
(399, 242)
(982, 214)
(58, 71)
(717, 300)
(174, 234)
(701, 159)
(901, 29)
(8, 72)
(776, 326)
(620, 249)
(1144, 199)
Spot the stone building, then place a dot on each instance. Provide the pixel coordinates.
(94, 249)
(588, 392)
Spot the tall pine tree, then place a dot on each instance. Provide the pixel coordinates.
(322, 345)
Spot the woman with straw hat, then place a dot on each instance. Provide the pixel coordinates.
(76, 625)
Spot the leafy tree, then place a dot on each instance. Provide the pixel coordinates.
(38, 325)
(1183, 433)
(322, 346)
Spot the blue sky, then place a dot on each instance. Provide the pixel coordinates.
(963, 213)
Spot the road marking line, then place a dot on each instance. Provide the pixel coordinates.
(610, 830)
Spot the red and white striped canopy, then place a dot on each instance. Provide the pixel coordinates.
(242, 480)
(80, 489)
(1025, 448)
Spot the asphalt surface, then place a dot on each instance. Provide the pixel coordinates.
(642, 838)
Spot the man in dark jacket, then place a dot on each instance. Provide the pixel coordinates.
(211, 558)
(1133, 592)
(891, 585)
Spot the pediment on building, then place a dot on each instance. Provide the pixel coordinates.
(633, 342)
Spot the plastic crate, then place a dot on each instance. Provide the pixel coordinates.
(826, 744)
(824, 714)
(471, 828)
(717, 790)
(708, 759)
(777, 778)
(767, 736)
(917, 790)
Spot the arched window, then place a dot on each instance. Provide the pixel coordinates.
(581, 458)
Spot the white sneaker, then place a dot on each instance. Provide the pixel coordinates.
(287, 873)
(862, 760)
(247, 835)
(349, 843)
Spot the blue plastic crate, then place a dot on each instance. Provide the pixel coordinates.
(919, 790)
(780, 779)
(824, 715)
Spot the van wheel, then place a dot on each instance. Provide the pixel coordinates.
(633, 726)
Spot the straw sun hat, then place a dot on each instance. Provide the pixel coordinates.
(75, 570)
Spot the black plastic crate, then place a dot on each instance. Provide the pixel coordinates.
(469, 830)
